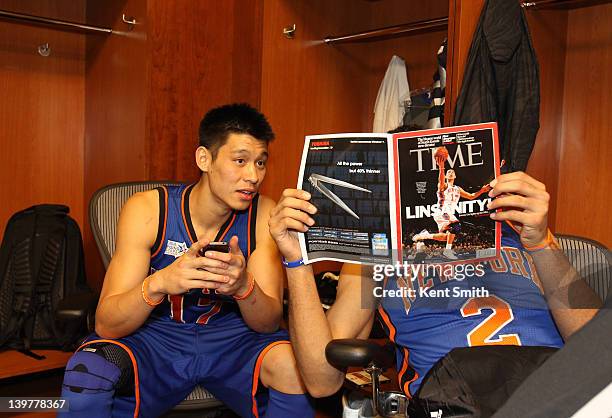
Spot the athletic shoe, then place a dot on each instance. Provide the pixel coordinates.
(420, 236)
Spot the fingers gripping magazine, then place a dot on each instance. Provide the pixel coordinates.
(419, 196)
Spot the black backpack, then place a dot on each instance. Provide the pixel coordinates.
(42, 276)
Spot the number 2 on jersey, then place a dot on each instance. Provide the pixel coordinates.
(484, 333)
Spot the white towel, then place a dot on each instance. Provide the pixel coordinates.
(393, 96)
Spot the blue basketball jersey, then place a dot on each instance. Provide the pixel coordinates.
(175, 235)
(494, 302)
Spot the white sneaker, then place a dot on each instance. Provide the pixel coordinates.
(367, 410)
(351, 404)
(420, 236)
(450, 254)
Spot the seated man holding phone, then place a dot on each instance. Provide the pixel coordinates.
(193, 293)
(534, 301)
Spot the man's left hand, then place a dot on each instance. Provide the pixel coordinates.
(524, 202)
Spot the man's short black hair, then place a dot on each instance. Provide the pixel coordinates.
(238, 118)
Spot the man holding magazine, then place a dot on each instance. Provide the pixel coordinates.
(522, 318)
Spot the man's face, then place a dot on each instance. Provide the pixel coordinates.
(450, 175)
(236, 173)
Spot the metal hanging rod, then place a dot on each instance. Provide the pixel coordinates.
(63, 24)
(545, 4)
(423, 25)
(437, 24)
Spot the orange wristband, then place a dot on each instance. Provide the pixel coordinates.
(145, 297)
(249, 290)
(549, 242)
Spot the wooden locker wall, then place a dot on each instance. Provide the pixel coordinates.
(116, 104)
(148, 88)
(203, 54)
(312, 88)
(42, 110)
(583, 201)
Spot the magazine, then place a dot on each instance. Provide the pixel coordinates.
(418, 196)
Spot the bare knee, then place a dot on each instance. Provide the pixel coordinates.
(280, 372)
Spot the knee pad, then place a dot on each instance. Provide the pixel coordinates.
(100, 367)
(455, 228)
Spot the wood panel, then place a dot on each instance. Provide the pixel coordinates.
(203, 54)
(549, 30)
(42, 111)
(463, 16)
(116, 92)
(309, 87)
(14, 363)
(585, 175)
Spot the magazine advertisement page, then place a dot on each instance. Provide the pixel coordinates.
(442, 185)
(348, 178)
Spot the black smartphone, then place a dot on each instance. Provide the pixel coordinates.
(219, 246)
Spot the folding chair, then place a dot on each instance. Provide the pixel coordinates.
(104, 208)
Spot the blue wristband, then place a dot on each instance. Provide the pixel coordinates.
(292, 264)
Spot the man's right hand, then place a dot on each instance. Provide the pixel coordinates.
(187, 272)
(291, 215)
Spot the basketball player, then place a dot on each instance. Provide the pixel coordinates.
(448, 198)
(528, 304)
(172, 316)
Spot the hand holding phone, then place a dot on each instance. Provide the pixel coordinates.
(219, 246)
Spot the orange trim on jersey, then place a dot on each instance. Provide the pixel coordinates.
(514, 228)
(193, 239)
(249, 231)
(387, 322)
(258, 364)
(400, 375)
(228, 227)
(134, 364)
(406, 353)
(163, 237)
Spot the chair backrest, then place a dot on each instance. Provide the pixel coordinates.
(104, 208)
(591, 259)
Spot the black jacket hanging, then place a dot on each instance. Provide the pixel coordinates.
(501, 81)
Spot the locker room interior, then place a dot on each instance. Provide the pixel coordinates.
(81, 110)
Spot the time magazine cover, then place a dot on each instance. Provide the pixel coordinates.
(418, 197)
(442, 185)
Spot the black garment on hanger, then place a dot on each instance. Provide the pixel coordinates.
(501, 81)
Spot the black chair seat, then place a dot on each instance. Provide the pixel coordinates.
(359, 353)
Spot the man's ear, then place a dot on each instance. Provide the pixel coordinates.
(203, 158)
